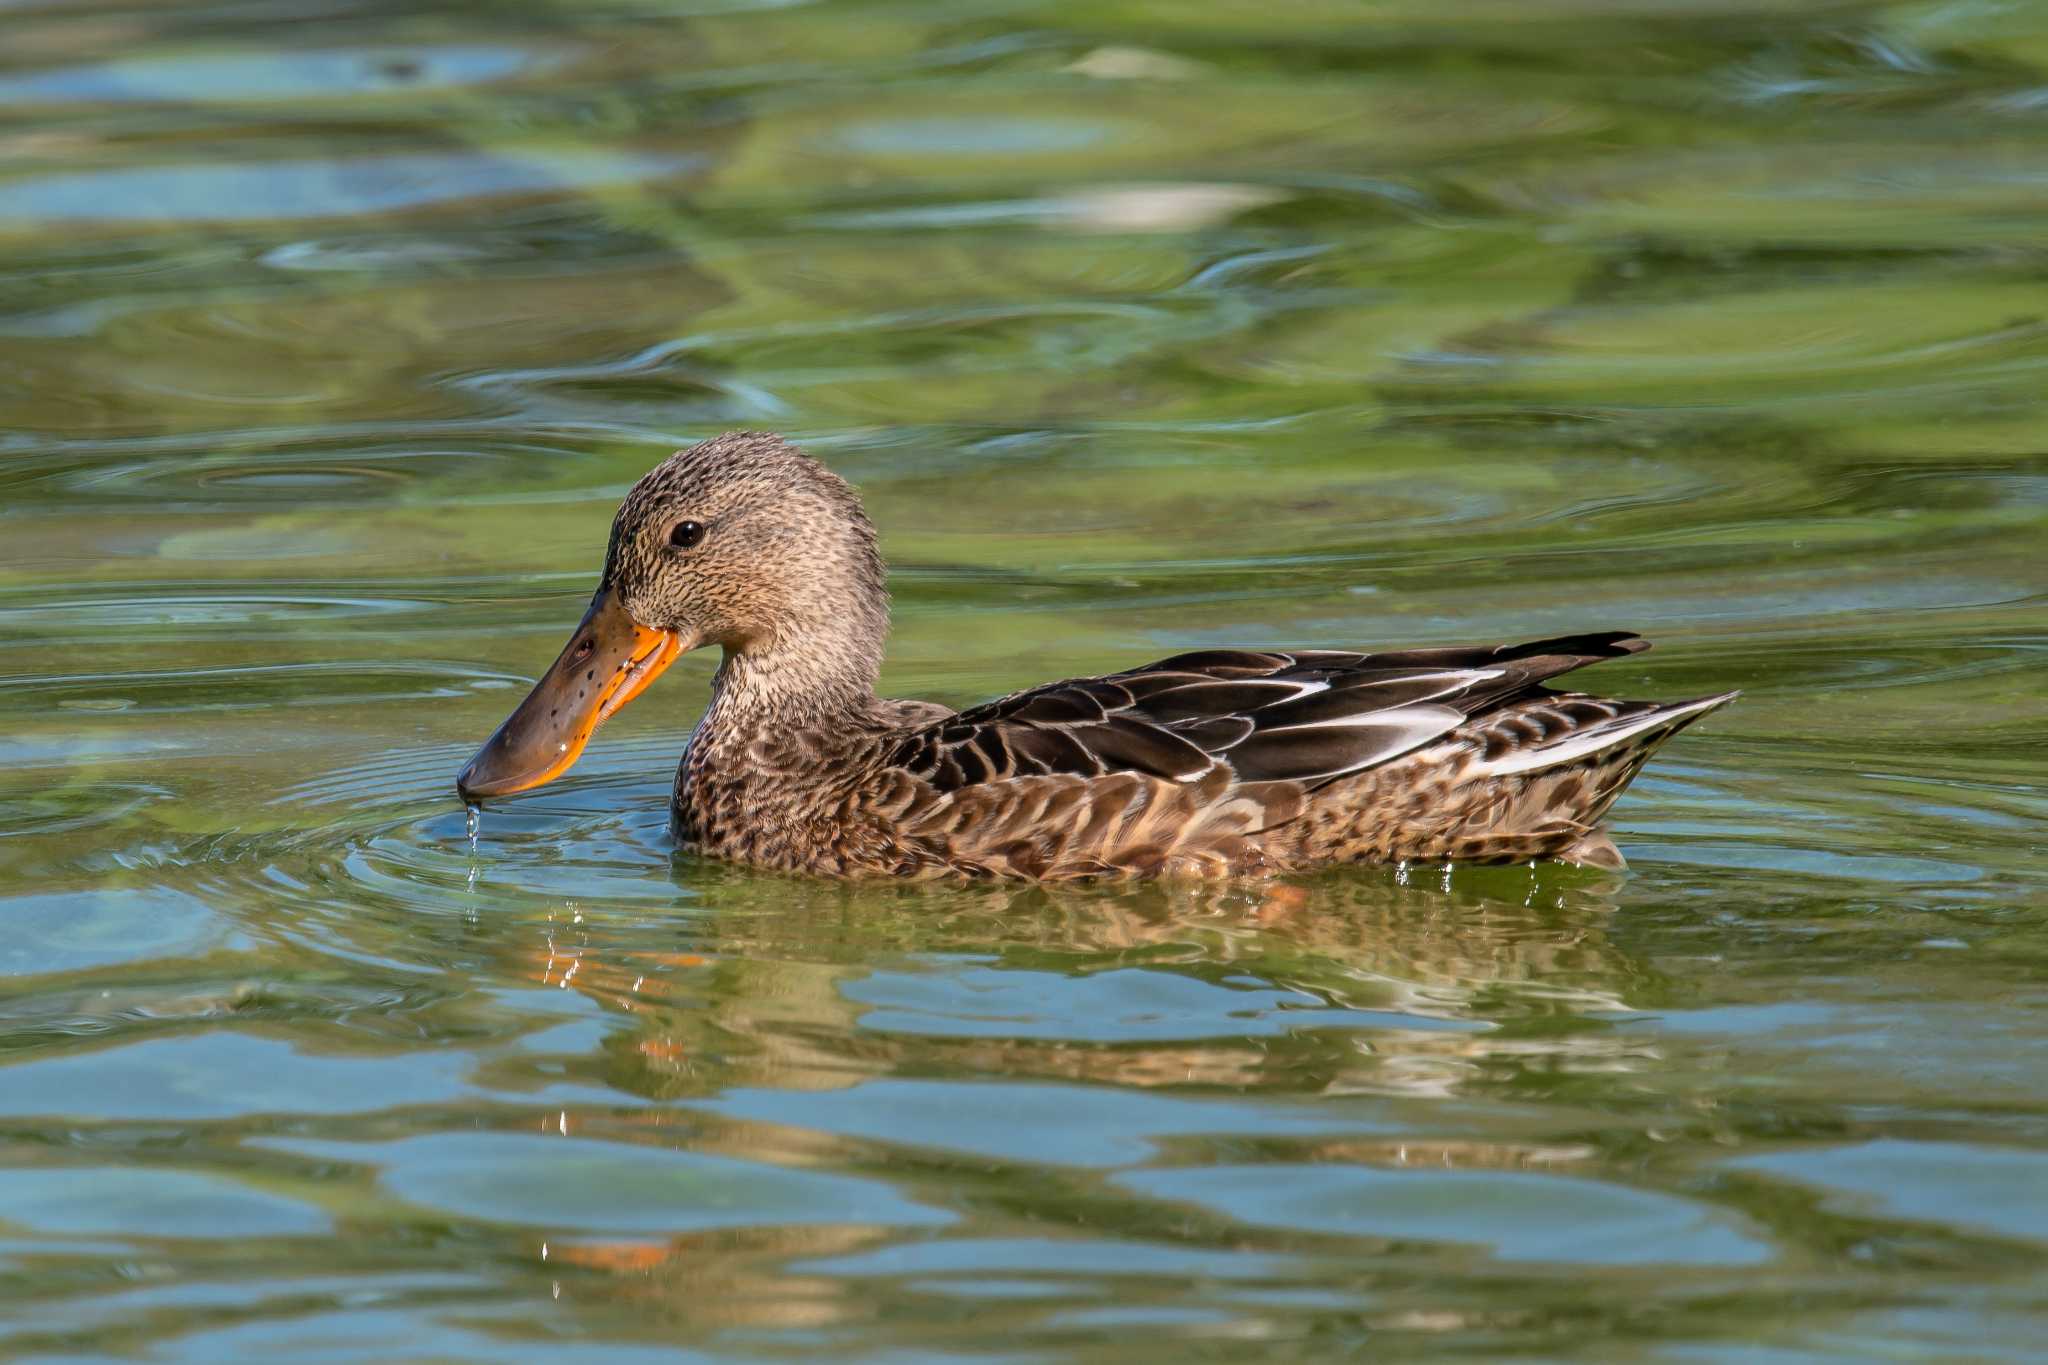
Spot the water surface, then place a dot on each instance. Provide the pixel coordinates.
(330, 336)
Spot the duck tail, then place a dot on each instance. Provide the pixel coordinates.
(1635, 728)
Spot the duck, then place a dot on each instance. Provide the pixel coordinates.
(1213, 763)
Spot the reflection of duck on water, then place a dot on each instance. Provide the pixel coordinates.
(763, 995)
(1212, 763)
(1340, 984)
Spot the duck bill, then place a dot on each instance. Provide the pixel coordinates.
(608, 661)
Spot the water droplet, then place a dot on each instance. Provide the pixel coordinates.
(473, 820)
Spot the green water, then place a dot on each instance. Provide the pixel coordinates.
(330, 335)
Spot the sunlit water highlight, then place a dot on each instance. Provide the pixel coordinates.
(330, 338)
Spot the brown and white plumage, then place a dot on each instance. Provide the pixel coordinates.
(1216, 762)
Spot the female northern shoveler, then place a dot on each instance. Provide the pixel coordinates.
(1219, 762)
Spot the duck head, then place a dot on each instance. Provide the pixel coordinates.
(743, 542)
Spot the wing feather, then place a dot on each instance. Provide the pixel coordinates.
(1329, 749)
(1201, 700)
(1179, 762)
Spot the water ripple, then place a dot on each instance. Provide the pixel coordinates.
(316, 187)
(273, 75)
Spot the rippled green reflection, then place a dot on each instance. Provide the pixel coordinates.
(330, 336)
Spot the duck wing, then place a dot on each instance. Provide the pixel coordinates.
(1178, 766)
(1305, 717)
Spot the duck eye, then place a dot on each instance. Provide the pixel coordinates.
(684, 534)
